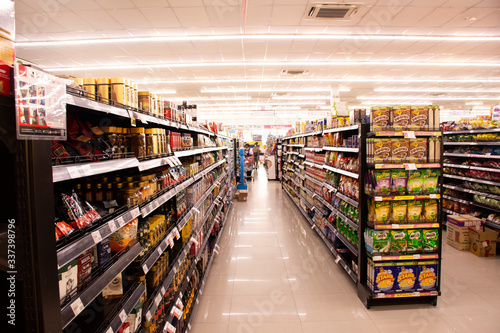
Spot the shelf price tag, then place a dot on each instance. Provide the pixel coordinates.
(410, 166)
(110, 330)
(416, 294)
(120, 221)
(96, 236)
(169, 328)
(170, 239)
(176, 233)
(74, 172)
(409, 134)
(416, 256)
(148, 316)
(179, 304)
(77, 307)
(123, 316)
(176, 312)
(158, 299)
(112, 226)
(145, 268)
(337, 260)
(159, 250)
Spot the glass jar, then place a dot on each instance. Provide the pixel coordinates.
(149, 142)
(145, 190)
(155, 141)
(103, 90)
(153, 105)
(98, 194)
(108, 193)
(125, 141)
(152, 184)
(130, 195)
(112, 137)
(117, 90)
(89, 194)
(138, 142)
(144, 101)
(79, 191)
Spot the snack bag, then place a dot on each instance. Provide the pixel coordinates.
(415, 182)
(430, 181)
(384, 275)
(430, 240)
(399, 181)
(430, 210)
(382, 181)
(406, 276)
(399, 150)
(381, 242)
(414, 211)
(399, 210)
(382, 212)
(401, 118)
(427, 275)
(124, 237)
(414, 241)
(399, 241)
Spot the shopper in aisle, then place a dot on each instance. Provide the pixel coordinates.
(256, 152)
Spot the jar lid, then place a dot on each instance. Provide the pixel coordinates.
(108, 129)
(149, 131)
(119, 185)
(103, 80)
(136, 130)
(89, 81)
(143, 93)
(117, 80)
(99, 186)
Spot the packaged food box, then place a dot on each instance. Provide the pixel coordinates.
(380, 119)
(464, 220)
(427, 275)
(84, 268)
(384, 277)
(378, 242)
(382, 149)
(400, 150)
(401, 118)
(419, 118)
(483, 241)
(68, 280)
(406, 276)
(418, 151)
(114, 289)
(457, 236)
(125, 237)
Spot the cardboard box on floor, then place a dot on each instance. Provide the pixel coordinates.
(464, 220)
(242, 195)
(483, 242)
(457, 236)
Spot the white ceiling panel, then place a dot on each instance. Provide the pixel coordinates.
(255, 46)
(427, 3)
(258, 15)
(184, 3)
(100, 19)
(287, 15)
(463, 19)
(151, 3)
(224, 16)
(192, 16)
(302, 45)
(161, 17)
(490, 21)
(439, 16)
(116, 4)
(409, 16)
(131, 18)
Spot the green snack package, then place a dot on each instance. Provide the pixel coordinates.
(414, 211)
(430, 210)
(415, 182)
(430, 240)
(381, 242)
(382, 212)
(430, 181)
(414, 241)
(399, 210)
(399, 181)
(399, 241)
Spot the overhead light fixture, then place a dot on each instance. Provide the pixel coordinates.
(469, 91)
(213, 91)
(403, 98)
(208, 99)
(277, 64)
(474, 103)
(260, 104)
(391, 102)
(263, 37)
(304, 98)
(346, 80)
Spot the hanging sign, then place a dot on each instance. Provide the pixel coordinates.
(40, 105)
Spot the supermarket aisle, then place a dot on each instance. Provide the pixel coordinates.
(273, 274)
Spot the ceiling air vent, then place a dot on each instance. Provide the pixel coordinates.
(331, 11)
(293, 72)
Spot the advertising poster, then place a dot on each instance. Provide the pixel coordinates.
(40, 105)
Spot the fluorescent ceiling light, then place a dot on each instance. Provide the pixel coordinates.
(403, 98)
(470, 91)
(276, 64)
(391, 102)
(208, 99)
(164, 92)
(211, 91)
(474, 103)
(302, 80)
(260, 104)
(301, 97)
(265, 37)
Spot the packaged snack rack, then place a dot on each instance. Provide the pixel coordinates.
(190, 238)
(472, 174)
(341, 217)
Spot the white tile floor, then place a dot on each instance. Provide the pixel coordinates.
(273, 274)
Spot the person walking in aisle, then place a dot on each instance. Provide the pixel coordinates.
(256, 152)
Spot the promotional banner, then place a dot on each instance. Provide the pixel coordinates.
(40, 105)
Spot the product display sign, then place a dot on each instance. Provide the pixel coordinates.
(40, 105)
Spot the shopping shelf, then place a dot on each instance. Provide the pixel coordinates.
(406, 134)
(430, 256)
(404, 197)
(408, 166)
(404, 226)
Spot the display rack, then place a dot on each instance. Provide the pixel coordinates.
(40, 260)
(316, 199)
(472, 175)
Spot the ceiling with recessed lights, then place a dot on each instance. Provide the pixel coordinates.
(233, 58)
